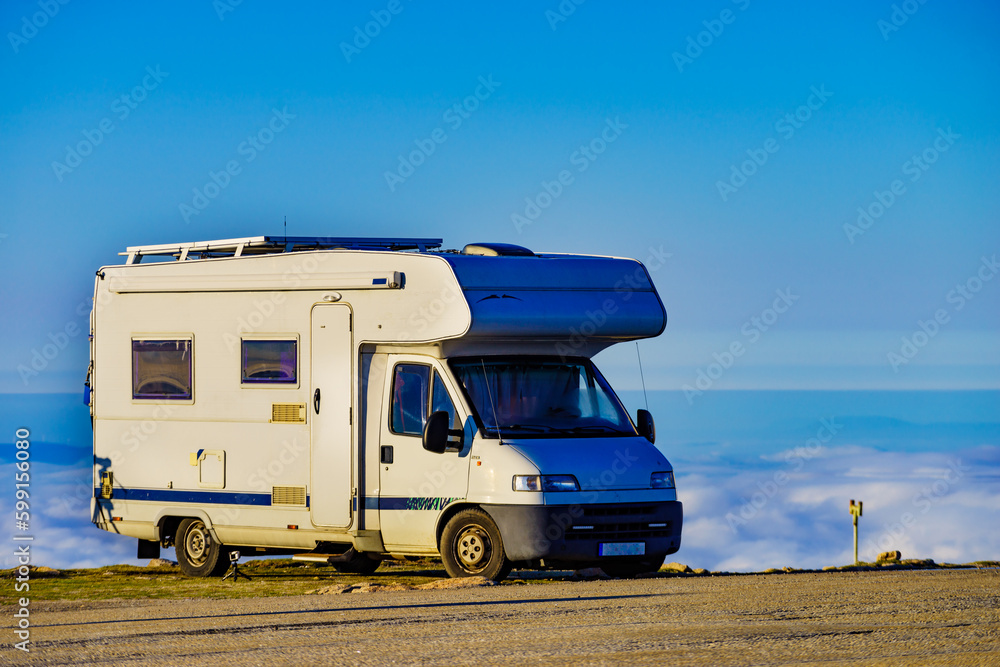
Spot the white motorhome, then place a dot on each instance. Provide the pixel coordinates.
(351, 399)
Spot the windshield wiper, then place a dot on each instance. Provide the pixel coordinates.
(590, 429)
(526, 427)
(516, 427)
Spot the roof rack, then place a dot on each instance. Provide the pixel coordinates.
(271, 245)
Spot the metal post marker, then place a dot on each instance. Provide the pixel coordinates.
(856, 512)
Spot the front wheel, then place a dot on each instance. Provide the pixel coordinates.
(471, 546)
(198, 554)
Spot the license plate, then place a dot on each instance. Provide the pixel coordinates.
(621, 549)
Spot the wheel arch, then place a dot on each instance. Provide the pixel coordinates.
(449, 512)
(168, 520)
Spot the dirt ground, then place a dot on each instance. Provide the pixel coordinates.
(935, 617)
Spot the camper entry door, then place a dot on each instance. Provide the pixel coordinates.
(331, 413)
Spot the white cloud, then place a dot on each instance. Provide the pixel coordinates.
(751, 518)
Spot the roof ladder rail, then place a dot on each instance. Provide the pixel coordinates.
(271, 245)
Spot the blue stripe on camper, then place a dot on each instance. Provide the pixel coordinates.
(263, 499)
(185, 496)
(379, 281)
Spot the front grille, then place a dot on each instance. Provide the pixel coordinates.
(621, 532)
(619, 510)
(619, 523)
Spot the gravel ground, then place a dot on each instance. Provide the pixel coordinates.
(938, 617)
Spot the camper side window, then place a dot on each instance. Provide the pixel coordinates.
(161, 369)
(410, 390)
(269, 362)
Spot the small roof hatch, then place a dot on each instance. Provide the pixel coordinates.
(497, 250)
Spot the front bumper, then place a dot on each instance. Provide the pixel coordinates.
(575, 533)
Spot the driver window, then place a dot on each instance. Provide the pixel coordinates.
(410, 392)
(415, 397)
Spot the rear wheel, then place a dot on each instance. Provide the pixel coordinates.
(471, 546)
(198, 554)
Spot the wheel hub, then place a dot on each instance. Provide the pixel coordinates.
(473, 548)
(196, 545)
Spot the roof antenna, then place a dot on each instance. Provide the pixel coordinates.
(641, 375)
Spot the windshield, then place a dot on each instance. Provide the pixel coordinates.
(538, 397)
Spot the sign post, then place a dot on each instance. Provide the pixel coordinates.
(856, 512)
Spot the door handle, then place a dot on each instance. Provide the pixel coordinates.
(316, 400)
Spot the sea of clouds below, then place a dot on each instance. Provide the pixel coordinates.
(791, 511)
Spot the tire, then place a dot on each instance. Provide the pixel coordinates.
(198, 554)
(629, 569)
(359, 563)
(471, 546)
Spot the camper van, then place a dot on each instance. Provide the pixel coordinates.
(348, 400)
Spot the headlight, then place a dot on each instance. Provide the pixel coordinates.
(661, 480)
(545, 483)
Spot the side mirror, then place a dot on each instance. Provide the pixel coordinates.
(436, 433)
(647, 428)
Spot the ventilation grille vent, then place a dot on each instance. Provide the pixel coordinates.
(288, 495)
(288, 413)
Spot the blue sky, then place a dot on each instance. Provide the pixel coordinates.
(671, 100)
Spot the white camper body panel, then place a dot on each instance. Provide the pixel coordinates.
(156, 447)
